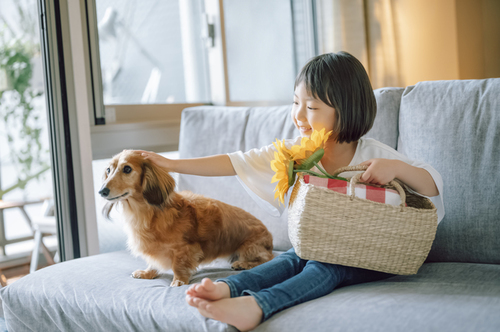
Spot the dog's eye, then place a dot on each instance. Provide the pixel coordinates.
(127, 169)
(108, 170)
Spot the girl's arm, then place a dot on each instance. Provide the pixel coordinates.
(382, 171)
(218, 165)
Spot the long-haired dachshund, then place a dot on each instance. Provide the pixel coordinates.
(179, 231)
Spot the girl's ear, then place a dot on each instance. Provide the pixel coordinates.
(157, 184)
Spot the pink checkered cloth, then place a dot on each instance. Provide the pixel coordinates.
(376, 194)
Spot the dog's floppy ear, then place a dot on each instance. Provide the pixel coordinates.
(157, 184)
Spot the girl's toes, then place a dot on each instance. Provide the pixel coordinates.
(208, 284)
(197, 301)
(194, 301)
(201, 303)
(204, 305)
(189, 300)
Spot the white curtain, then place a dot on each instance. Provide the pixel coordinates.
(364, 28)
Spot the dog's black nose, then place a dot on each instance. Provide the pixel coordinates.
(104, 192)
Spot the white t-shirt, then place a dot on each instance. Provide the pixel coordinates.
(253, 169)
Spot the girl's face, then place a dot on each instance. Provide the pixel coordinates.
(310, 114)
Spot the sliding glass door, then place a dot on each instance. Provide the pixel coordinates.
(26, 190)
(68, 82)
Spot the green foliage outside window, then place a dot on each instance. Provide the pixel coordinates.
(22, 121)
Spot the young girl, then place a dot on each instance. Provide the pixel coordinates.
(333, 92)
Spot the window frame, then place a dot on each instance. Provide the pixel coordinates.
(66, 74)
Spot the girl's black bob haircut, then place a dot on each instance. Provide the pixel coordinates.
(341, 82)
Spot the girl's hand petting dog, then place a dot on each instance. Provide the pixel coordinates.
(157, 159)
(218, 165)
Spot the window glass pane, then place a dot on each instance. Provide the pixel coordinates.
(260, 53)
(26, 186)
(152, 51)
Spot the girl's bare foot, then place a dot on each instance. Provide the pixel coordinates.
(209, 290)
(242, 312)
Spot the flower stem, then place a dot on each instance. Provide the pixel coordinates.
(291, 174)
(325, 175)
(321, 169)
(308, 171)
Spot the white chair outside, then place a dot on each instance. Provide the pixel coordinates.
(46, 225)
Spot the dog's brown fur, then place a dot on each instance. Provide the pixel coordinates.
(179, 231)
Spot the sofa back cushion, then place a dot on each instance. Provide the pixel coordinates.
(455, 127)
(385, 127)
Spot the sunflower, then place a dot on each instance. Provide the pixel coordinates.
(283, 166)
(310, 149)
(299, 158)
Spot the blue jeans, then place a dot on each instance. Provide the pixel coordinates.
(288, 280)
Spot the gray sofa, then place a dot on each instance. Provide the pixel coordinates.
(453, 125)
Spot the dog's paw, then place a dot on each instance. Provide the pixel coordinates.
(141, 274)
(177, 283)
(238, 266)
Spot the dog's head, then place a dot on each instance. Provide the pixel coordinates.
(130, 176)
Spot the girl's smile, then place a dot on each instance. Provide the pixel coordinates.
(305, 130)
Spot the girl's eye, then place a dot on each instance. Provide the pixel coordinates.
(108, 170)
(312, 109)
(296, 103)
(127, 169)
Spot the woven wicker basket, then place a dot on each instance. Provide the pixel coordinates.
(330, 227)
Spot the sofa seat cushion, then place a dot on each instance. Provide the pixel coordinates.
(97, 293)
(441, 297)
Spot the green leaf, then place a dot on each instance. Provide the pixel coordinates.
(291, 173)
(309, 162)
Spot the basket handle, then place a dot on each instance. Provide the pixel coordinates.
(355, 179)
(350, 169)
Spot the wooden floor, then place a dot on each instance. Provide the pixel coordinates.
(10, 275)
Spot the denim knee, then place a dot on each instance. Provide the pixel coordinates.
(336, 273)
(346, 275)
(291, 255)
(295, 261)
